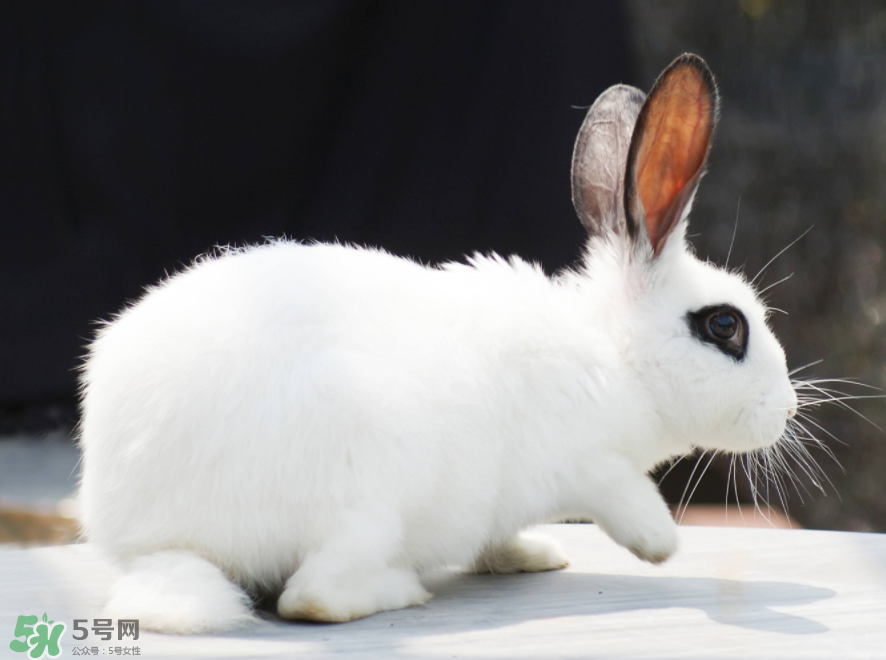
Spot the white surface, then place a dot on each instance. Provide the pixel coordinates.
(729, 593)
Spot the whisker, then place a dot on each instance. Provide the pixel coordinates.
(746, 466)
(780, 486)
(818, 387)
(770, 457)
(735, 487)
(791, 467)
(846, 381)
(786, 470)
(793, 450)
(734, 230)
(672, 466)
(761, 462)
(728, 476)
(841, 401)
(819, 444)
(805, 366)
(809, 419)
(797, 449)
(785, 249)
(701, 476)
(774, 284)
(691, 474)
(845, 397)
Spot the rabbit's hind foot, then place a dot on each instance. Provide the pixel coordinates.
(525, 553)
(178, 591)
(350, 595)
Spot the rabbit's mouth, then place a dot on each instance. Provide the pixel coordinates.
(764, 423)
(757, 425)
(790, 460)
(775, 456)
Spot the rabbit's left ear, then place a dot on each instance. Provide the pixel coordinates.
(669, 148)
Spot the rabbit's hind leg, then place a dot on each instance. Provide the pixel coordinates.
(351, 576)
(525, 553)
(178, 591)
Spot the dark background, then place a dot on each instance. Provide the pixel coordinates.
(140, 134)
(137, 135)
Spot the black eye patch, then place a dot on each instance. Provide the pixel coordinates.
(722, 326)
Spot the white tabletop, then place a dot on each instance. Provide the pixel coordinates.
(728, 593)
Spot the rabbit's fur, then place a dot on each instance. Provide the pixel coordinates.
(326, 422)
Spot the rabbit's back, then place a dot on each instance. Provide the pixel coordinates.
(243, 405)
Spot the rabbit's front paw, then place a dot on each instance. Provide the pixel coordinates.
(633, 513)
(653, 540)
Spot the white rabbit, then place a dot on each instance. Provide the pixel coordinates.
(326, 422)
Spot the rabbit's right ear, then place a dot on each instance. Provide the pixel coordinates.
(599, 159)
(669, 150)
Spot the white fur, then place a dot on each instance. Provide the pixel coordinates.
(178, 591)
(525, 553)
(324, 423)
(337, 419)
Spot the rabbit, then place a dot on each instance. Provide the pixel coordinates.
(324, 423)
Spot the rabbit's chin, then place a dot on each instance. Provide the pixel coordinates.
(766, 433)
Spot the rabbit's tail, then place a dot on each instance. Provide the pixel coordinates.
(177, 591)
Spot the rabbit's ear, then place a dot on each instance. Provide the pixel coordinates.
(598, 161)
(669, 148)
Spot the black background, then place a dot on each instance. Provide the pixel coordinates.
(137, 135)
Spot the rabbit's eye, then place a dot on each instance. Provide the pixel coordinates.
(722, 326)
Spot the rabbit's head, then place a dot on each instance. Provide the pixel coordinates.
(694, 334)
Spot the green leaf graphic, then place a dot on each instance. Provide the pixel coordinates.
(44, 617)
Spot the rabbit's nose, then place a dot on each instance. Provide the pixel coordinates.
(792, 402)
(792, 409)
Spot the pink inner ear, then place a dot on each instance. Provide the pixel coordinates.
(677, 132)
